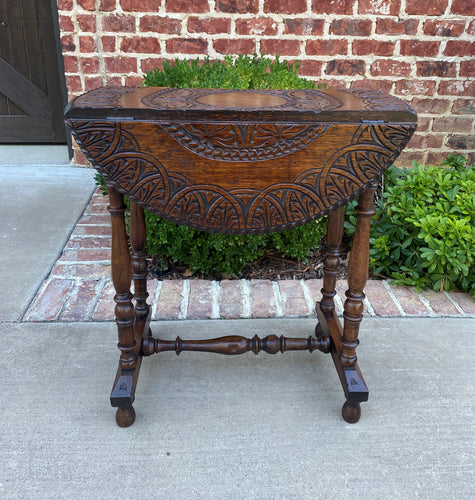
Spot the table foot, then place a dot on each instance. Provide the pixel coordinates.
(125, 417)
(351, 412)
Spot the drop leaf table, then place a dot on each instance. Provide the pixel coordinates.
(239, 162)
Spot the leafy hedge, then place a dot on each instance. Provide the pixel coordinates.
(423, 233)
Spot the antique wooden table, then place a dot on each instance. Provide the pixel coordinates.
(239, 162)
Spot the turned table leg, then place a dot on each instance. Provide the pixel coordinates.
(335, 225)
(353, 308)
(122, 393)
(139, 270)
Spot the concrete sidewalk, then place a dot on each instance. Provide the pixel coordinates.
(208, 426)
(244, 427)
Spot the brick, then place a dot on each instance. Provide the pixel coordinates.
(93, 270)
(87, 44)
(463, 8)
(140, 45)
(212, 26)
(108, 43)
(169, 300)
(381, 7)
(464, 107)
(81, 302)
(467, 68)
(121, 64)
(67, 43)
(230, 299)
(406, 158)
(107, 5)
(285, 6)
(87, 4)
(345, 67)
(310, 68)
(91, 83)
(140, 6)
(436, 68)
(133, 81)
(390, 67)
(426, 7)
(440, 303)
(430, 106)
(234, 46)
(65, 4)
(332, 6)
(452, 124)
(304, 26)
(150, 64)
(187, 46)
(118, 23)
(351, 27)
(74, 85)
(89, 65)
(457, 87)
(87, 242)
(459, 48)
(160, 24)
(471, 28)
(79, 157)
(259, 26)
(293, 298)
(464, 300)
(380, 299)
(415, 87)
(282, 47)
(92, 231)
(381, 85)
(418, 48)
(104, 309)
(444, 27)
(314, 287)
(368, 47)
(200, 302)
(101, 219)
(70, 64)
(237, 6)
(409, 300)
(326, 47)
(65, 23)
(187, 6)
(263, 304)
(50, 301)
(85, 255)
(419, 141)
(387, 26)
(461, 141)
(435, 157)
(87, 22)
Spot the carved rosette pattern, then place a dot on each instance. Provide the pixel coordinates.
(175, 98)
(243, 141)
(104, 97)
(375, 100)
(314, 193)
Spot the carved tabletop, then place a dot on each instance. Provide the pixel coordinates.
(241, 162)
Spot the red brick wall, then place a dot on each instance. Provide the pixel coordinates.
(422, 51)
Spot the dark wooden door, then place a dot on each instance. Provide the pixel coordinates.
(31, 105)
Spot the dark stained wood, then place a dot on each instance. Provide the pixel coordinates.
(240, 162)
(232, 345)
(31, 104)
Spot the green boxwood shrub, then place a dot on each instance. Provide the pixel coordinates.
(423, 233)
(205, 252)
